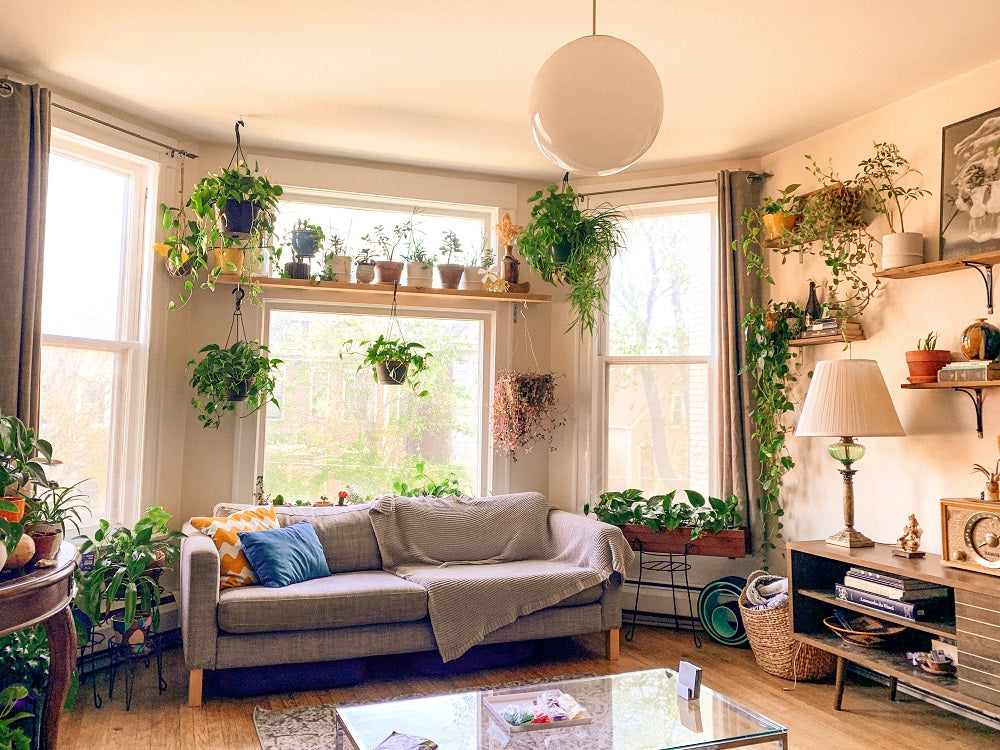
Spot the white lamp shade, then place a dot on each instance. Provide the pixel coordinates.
(848, 398)
(596, 106)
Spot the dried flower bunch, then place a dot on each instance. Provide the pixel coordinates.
(524, 411)
(507, 230)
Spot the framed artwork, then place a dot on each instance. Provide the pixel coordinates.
(970, 186)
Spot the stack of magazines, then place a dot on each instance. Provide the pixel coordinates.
(909, 598)
(829, 327)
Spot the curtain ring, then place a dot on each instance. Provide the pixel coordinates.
(6, 89)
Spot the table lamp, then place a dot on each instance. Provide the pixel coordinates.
(848, 399)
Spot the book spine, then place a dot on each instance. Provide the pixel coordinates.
(899, 582)
(894, 592)
(906, 610)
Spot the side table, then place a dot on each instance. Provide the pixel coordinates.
(43, 595)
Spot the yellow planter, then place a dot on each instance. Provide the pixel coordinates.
(226, 255)
(777, 223)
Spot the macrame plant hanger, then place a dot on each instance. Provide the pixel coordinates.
(237, 323)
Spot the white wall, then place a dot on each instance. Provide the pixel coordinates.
(910, 474)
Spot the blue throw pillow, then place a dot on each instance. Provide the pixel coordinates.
(280, 557)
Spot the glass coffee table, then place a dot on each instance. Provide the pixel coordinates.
(631, 711)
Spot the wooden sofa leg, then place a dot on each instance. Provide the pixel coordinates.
(611, 645)
(194, 688)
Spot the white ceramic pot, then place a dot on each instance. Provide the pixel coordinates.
(472, 278)
(902, 249)
(418, 275)
(365, 273)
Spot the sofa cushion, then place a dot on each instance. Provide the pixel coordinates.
(587, 596)
(344, 531)
(281, 557)
(336, 601)
(234, 568)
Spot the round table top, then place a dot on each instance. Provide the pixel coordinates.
(32, 594)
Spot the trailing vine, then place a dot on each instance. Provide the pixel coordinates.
(769, 364)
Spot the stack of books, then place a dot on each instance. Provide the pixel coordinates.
(830, 327)
(965, 372)
(909, 598)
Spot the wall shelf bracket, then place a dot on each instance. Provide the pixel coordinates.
(986, 272)
(976, 394)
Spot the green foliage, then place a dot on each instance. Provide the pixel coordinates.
(24, 659)
(21, 455)
(304, 225)
(379, 243)
(928, 343)
(11, 738)
(53, 504)
(769, 366)
(570, 246)
(392, 352)
(197, 227)
(881, 178)
(430, 487)
(222, 371)
(123, 560)
(417, 253)
(784, 203)
(666, 512)
(450, 245)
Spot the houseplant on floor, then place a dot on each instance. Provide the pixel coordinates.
(393, 361)
(667, 524)
(572, 246)
(925, 361)
(225, 376)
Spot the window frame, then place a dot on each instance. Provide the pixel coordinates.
(604, 361)
(127, 478)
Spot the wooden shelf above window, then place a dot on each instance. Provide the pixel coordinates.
(385, 290)
(939, 266)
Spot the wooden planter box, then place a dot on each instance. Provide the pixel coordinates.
(728, 543)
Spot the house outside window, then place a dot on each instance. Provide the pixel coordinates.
(95, 331)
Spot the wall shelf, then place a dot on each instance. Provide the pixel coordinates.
(982, 264)
(833, 338)
(385, 290)
(973, 389)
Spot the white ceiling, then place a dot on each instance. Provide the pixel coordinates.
(445, 84)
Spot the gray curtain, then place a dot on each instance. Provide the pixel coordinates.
(737, 459)
(24, 168)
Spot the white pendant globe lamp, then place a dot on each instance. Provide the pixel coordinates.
(596, 105)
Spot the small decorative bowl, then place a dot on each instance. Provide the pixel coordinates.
(865, 631)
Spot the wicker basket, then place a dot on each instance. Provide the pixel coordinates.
(776, 652)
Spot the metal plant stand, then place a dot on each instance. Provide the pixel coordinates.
(674, 563)
(87, 651)
(124, 657)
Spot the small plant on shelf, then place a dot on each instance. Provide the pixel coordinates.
(225, 376)
(882, 177)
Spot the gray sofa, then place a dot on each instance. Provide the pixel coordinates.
(360, 609)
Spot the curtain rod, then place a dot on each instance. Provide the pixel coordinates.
(713, 181)
(7, 90)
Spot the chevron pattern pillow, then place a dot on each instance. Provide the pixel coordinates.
(234, 568)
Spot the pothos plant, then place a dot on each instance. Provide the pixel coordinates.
(668, 512)
(573, 246)
(226, 376)
(404, 359)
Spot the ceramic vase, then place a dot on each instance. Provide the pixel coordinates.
(902, 249)
(365, 273)
(981, 340)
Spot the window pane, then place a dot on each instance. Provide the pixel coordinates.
(660, 287)
(85, 232)
(77, 385)
(657, 427)
(336, 427)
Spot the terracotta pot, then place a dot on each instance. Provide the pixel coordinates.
(450, 274)
(388, 272)
(46, 543)
(727, 543)
(992, 493)
(775, 224)
(224, 255)
(925, 363)
(391, 373)
(13, 515)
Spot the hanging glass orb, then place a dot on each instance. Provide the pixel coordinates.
(595, 106)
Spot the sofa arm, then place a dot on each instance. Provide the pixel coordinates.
(199, 600)
(587, 542)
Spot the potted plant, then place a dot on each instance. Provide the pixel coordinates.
(387, 270)
(393, 361)
(306, 238)
(226, 376)
(572, 246)
(524, 411)
(21, 458)
(419, 264)
(507, 233)
(925, 361)
(127, 565)
(778, 215)
(450, 273)
(882, 177)
(48, 513)
(473, 273)
(664, 523)
(24, 662)
(336, 261)
(365, 266)
(992, 493)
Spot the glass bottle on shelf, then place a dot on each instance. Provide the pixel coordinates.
(813, 310)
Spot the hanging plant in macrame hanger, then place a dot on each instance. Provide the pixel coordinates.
(228, 375)
(524, 408)
(393, 359)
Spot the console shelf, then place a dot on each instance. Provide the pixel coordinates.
(972, 388)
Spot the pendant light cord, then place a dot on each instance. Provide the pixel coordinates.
(594, 16)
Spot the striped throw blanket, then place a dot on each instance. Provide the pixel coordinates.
(487, 561)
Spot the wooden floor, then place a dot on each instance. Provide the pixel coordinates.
(869, 720)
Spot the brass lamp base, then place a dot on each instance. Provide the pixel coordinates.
(848, 537)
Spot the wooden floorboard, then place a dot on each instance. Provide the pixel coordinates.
(870, 719)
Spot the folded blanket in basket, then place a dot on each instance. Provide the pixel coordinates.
(767, 592)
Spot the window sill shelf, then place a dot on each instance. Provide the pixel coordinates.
(330, 288)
